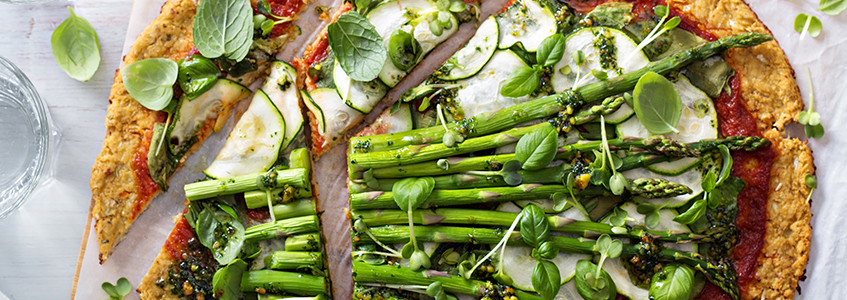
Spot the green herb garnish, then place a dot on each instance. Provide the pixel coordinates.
(525, 80)
(223, 28)
(150, 81)
(811, 119)
(657, 104)
(804, 23)
(76, 48)
(357, 46)
(673, 282)
(832, 7)
(409, 193)
(117, 291)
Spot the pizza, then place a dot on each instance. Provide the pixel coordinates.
(125, 177)
(569, 150)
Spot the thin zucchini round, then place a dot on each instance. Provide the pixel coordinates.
(591, 41)
(469, 60)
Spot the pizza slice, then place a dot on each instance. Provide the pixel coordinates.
(128, 173)
(252, 226)
(341, 87)
(529, 177)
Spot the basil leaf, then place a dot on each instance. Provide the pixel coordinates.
(586, 269)
(158, 159)
(693, 213)
(809, 23)
(832, 7)
(197, 75)
(727, 164)
(657, 104)
(709, 182)
(357, 46)
(535, 228)
(150, 81)
(672, 283)
(522, 82)
(223, 28)
(538, 148)
(412, 192)
(551, 50)
(206, 227)
(229, 237)
(76, 48)
(404, 50)
(546, 279)
(227, 281)
(547, 250)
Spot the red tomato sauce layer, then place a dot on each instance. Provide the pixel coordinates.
(179, 238)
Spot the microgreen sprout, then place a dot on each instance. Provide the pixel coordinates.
(117, 291)
(500, 245)
(451, 137)
(509, 172)
(811, 119)
(712, 196)
(804, 23)
(651, 212)
(409, 193)
(812, 183)
(606, 247)
(662, 12)
(360, 227)
(262, 22)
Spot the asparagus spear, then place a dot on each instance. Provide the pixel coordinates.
(298, 177)
(292, 260)
(298, 208)
(281, 228)
(542, 107)
(720, 274)
(364, 272)
(256, 199)
(451, 216)
(420, 153)
(652, 188)
(303, 242)
(276, 282)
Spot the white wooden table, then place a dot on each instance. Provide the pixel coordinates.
(39, 244)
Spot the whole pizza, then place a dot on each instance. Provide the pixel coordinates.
(569, 150)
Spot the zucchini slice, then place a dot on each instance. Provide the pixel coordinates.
(518, 261)
(568, 291)
(474, 55)
(591, 41)
(254, 144)
(315, 109)
(481, 93)
(693, 178)
(282, 90)
(361, 96)
(620, 275)
(698, 122)
(191, 116)
(400, 120)
(666, 223)
(528, 22)
(334, 114)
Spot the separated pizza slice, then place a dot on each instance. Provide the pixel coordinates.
(151, 128)
(252, 226)
(440, 185)
(345, 78)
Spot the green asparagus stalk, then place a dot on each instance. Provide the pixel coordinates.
(380, 199)
(465, 181)
(300, 158)
(281, 228)
(292, 260)
(454, 216)
(298, 208)
(453, 165)
(385, 274)
(303, 242)
(566, 120)
(278, 297)
(277, 282)
(420, 153)
(239, 184)
(543, 107)
(256, 199)
(720, 274)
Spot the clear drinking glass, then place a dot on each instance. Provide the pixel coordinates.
(24, 137)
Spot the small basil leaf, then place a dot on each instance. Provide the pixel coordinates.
(538, 148)
(357, 45)
(672, 283)
(412, 191)
(547, 250)
(832, 7)
(546, 279)
(693, 213)
(227, 281)
(76, 48)
(522, 82)
(657, 104)
(726, 168)
(709, 182)
(206, 225)
(150, 81)
(534, 225)
(715, 199)
(197, 75)
(223, 28)
(158, 161)
(404, 50)
(551, 50)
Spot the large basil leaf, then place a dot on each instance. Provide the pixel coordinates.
(227, 281)
(522, 82)
(404, 50)
(150, 81)
(357, 46)
(197, 75)
(534, 225)
(551, 50)
(223, 28)
(409, 193)
(221, 232)
(657, 103)
(672, 283)
(76, 48)
(546, 279)
(538, 148)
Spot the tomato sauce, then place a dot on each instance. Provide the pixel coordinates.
(179, 238)
(145, 186)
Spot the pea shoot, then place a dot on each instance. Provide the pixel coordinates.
(409, 193)
(812, 183)
(811, 119)
(662, 12)
(264, 23)
(804, 23)
(117, 291)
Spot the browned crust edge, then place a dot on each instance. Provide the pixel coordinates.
(771, 95)
(148, 289)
